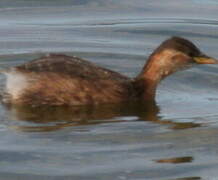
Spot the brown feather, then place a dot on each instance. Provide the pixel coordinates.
(64, 80)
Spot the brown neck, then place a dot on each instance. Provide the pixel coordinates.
(148, 80)
(146, 86)
(156, 69)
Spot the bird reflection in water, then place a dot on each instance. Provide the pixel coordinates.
(187, 178)
(52, 118)
(176, 160)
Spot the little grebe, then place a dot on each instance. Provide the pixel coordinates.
(63, 80)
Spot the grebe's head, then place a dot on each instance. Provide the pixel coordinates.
(172, 55)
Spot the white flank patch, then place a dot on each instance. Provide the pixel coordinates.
(15, 83)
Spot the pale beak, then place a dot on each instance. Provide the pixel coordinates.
(205, 60)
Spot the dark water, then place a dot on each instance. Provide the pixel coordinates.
(175, 139)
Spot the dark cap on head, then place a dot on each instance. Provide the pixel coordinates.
(180, 44)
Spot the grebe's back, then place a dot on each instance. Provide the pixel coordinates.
(58, 79)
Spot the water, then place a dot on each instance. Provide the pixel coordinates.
(174, 139)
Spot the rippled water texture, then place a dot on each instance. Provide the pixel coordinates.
(174, 139)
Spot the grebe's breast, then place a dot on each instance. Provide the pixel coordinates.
(59, 79)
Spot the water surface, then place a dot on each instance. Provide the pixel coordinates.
(174, 139)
